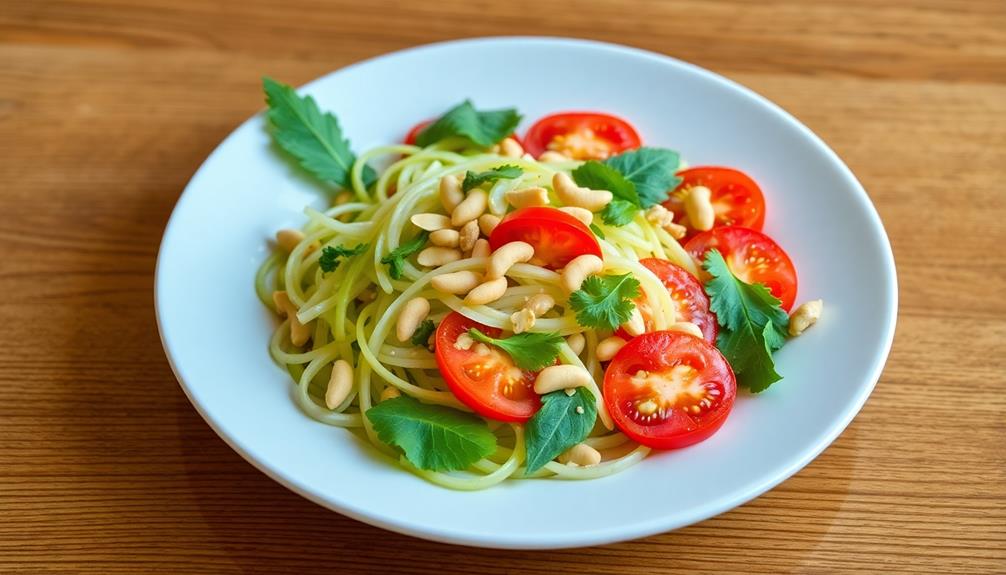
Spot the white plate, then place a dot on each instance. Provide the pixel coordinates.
(215, 332)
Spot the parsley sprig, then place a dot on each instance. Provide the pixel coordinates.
(483, 127)
(530, 351)
(476, 179)
(330, 256)
(423, 332)
(638, 179)
(395, 259)
(753, 324)
(605, 302)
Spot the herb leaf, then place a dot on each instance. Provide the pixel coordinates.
(311, 136)
(423, 332)
(619, 212)
(530, 351)
(598, 176)
(752, 320)
(476, 179)
(396, 257)
(652, 170)
(483, 128)
(558, 425)
(605, 301)
(329, 259)
(597, 231)
(432, 436)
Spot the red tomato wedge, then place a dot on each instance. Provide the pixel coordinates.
(581, 135)
(668, 390)
(736, 198)
(752, 256)
(487, 382)
(690, 300)
(556, 236)
(410, 137)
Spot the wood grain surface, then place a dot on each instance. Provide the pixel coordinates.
(107, 107)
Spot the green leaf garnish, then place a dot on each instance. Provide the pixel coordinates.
(598, 176)
(311, 136)
(605, 302)
(423, 332)
(396, 257)
(597, 231)
(753, 324)
(558, 425)
(476, 179)
(618, 212)
(530, 351)
(483, 128)
(433, 437)
(330, 256)
(651, 170)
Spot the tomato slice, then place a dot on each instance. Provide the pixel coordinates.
(410, 137)
(556, 236)
(484, 378)
(581, 135)
(752, 256)
(690, 300)
(737, 199)
(668, 390)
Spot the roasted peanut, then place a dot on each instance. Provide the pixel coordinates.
(450, 193)
(510, 148)
(584, 215)
(577, 271)
(471, 208)
(805, 316)
(456, 282)
(390, 392)
(608, 347)
(447, 238)
(340, 384)
(573, 195)
(581, 455)
(299, 333)
(522, 320)
(576, 342)
(288, 239)
(488, 223)
(527, 197)
(487, 292)
(634, 325)
(506, 256)
(437, 256)
(658, 215)
(539, 304)
(556, 377)
(699, 208)
(412, 314)
(469, 235)
(431, 222)
(481, 249)
(687, 327)
(551, 157)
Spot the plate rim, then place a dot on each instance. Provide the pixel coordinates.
(608, 534)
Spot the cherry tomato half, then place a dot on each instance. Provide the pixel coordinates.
(410, 137)
(690, 301)
(487, 382)
(556, 236)
(581, 135)
(752, 256)
(736, 198)
(668, 390)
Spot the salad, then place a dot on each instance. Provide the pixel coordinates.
(484, 306)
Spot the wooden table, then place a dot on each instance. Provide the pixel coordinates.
(107, 107)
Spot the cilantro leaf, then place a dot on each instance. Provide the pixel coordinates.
(530, 351)
(652, 170)
(483, 128)
(329, 259)
(311, 136)
(432, 436)
(597, 231)
(396, 257)
(619, 212)
(605, 301)
(598, 176)
(558, 425)
(476, 179)
(752, 320)
(423, 332)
